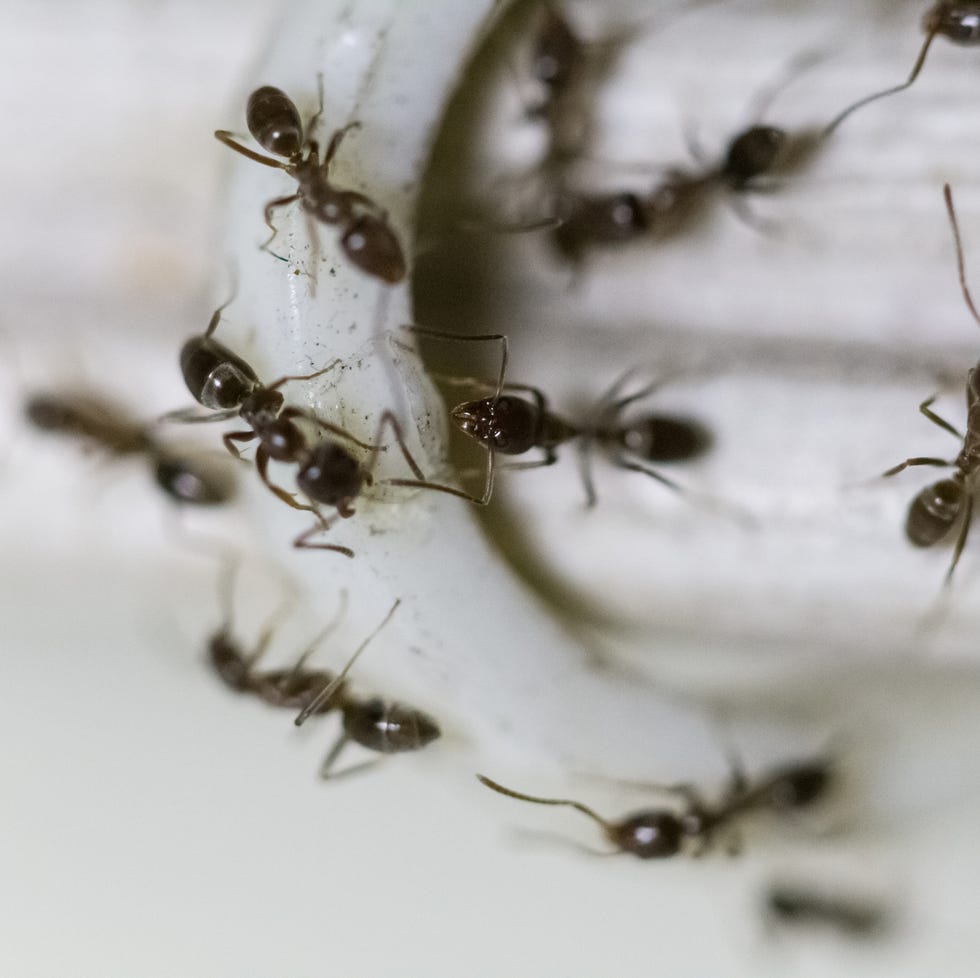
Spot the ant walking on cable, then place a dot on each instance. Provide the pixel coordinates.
(274, 122)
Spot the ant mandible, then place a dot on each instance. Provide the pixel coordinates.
(103, 423)
(274, 122)
(660, 833)
(936, 509)
(956, 20)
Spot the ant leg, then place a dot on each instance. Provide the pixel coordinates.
(228, 138)
(300, 543)
(935, 419)
(585, 471)
(233, 436)
(192, 416)
(295, 412)
(328, 762)
(960, 540)
(269, 208)
(550, 457)
(939, 462)
(262, 466)
(216, 315)
(916, 68)
(288, 377)
(420, 481)
(335, 140)
(960, 267)
(481, 338)
(315, 118)
(653, 473)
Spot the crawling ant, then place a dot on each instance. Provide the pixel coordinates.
(223, 381)
(583, 220)
(100, 422)
(956, 20)
(797, 905)
(289, 688)
(660, 833)
(938, 507)
(275, 124)
(508, 424)
(382, 726)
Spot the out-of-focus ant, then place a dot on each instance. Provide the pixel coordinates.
(100, 422)
(955, 20)
(660, 833)
(795, 905)
(938, 507)
(366, 238)
(583, 220)
(510, 424)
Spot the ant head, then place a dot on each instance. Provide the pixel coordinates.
(331, 475)
(959, 22)
(503, 424)
(262, 404)
(274, 122)
(556, 51)
(186, 482)
(753, 152)
(216, 377)
(227, 660)
(649, 834)
(389, 728)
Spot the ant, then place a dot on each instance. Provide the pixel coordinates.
(957, 20)
(223, 381)
(659, 833)
(275, 124)
(382, 726)
(791, 904)
(288, 688)
(510, 425)
(937, 508)
(584, 220)
(105, 424)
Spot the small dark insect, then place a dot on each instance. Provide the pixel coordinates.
(289, 688)
(660, 833)
(956, 20)
(937, 508)
(100, 422)
(366, 237)
(509, 424)
(790, 904)
(379, 725)
(221, 380)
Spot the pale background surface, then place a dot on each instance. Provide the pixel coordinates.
(153, 825)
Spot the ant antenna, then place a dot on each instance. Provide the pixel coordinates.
(960, 265)
(894, 90)
(336, 682)
(764, 98)
(216, 315)
(565, 802)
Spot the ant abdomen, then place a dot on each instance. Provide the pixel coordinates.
(331, 475)
(185, 482)
(372, 246)
(274, 121)
(958, 22)
(664, 438)
(388, 727)
(215, 376)
(933, 512)
(649, 835)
